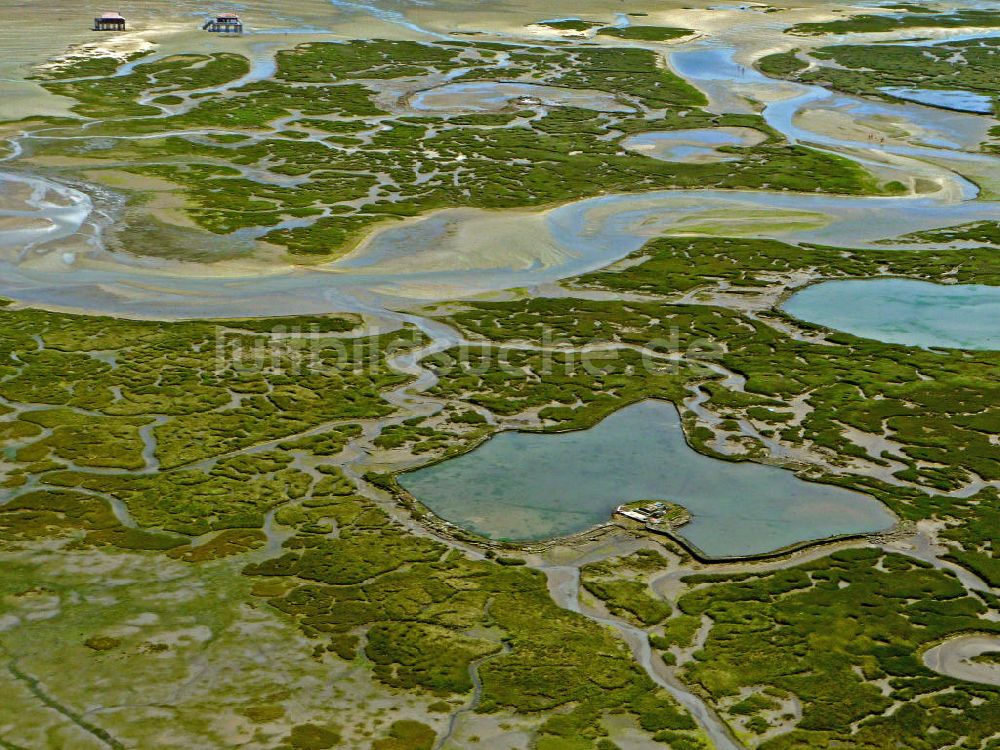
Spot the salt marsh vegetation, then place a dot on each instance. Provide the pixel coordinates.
(211, 508)
(334, 144)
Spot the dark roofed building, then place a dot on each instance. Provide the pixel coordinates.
(109, 22)
(225, 23)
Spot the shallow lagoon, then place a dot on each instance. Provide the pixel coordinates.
(493, 96)
(902, 311)
(568, 482)
(963, 101)
(697, 145)
(459, 252)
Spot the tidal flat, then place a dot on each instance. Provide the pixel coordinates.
(549, 259)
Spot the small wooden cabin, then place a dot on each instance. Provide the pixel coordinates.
(224, 23)
(109, 22)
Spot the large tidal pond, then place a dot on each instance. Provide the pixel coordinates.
(963, 101)
(527, 486)
(904, 311)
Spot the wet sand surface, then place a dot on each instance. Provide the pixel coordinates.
(957, 658)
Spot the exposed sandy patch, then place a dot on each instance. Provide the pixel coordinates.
(748, 136)
(894, 130)
(165, 200)
(472, 239)
(12, 223)
(15, 194)
(542, 30)
(127, 180)
(984, 175)
(58, 162)
(669, 145)
(843, 125)
(954, 658)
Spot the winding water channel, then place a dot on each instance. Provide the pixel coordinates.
(58, 260)
(564, 587)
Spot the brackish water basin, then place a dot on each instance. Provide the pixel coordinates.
(904, 311)
(528, 486)
(963, 101)
(691, 145)
(493, 96)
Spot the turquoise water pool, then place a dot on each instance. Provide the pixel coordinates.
(528, 486)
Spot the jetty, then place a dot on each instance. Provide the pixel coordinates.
(224, 23)
(109, 22)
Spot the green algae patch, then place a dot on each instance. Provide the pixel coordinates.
(407, 735)
(264, 713)
(84, 67)
(354, 600)
(123, 537)
(313, 737)
(782, 64)
(879, 70)
(195, 502)
(981, 232)
(569, 24)
(102, 643)
(326, 444)
(177, 73)
(105, 381)
(226, 544)
(419, 605)
(410, 654)
(645, 33)
(868, 23)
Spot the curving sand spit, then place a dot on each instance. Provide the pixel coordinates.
(955, 658)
